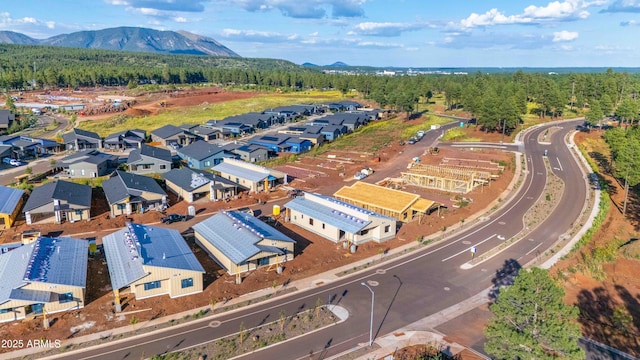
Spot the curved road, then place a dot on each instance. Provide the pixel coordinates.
(406, 289)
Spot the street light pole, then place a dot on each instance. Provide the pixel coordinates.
(371, 325)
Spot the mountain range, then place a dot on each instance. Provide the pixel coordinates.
(129, 39)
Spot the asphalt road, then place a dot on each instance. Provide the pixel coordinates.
(406, 289)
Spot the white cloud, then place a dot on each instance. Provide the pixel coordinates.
(303, 9)
(27, 25)
(564, 36)
(378, 45)
(384, 28)
(555, 11)
(624, 6)
(180, 19)
(256, 36)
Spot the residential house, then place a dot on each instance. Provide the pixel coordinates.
(149, 160)
(339, 221)
(202, 155)
(78, 140)
(282, 143)
(400, 205)
(151, 261)
(24, 147)
(253, 177)
(169, 135)
(192, 185)
(132, 193)
(63, 200)
(332, 132)
(6, 119)
(127, 139)
(47, 275)
(11, 201)
(88, 164)
(349, 105)
(252, 153)
(257, 121)
(239, 242)
(206, 133)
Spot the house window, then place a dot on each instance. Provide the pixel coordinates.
(121, 206)
(4, 311)
(64, 298)
(152, 285)
(207, 163)
(387, 228)
(79, 212)
(310, 221)
(187, 283)
(364, 232)
(146, 166)
(301, 216)
(323, 225)
(82, 172)
(72, 172)
(162, 167)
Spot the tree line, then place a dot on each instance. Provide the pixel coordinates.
(498, 101)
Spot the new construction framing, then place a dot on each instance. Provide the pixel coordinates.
(445, 178)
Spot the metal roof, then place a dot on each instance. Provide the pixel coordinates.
(167, 131)
(9, 199)
(236, 234)
(241, 172)
(74, 194)
(189, 179)
(60, 261)
(331, 215)
(129, 249)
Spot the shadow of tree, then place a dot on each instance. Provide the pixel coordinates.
(600, 319)
(504, 277)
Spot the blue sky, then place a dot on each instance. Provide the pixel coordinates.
(383, 33)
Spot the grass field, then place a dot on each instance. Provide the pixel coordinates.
(202, 113)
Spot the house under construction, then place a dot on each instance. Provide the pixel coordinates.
(397, 204)
(446, 178)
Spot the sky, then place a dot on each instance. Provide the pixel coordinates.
(380, 33)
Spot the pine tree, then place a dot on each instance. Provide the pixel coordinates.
(531, 321)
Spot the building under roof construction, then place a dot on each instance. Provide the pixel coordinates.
(393, 203)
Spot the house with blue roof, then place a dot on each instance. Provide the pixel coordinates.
(282, 143)
(239, 242)
(201, 155)
(48, 274)
(339, 221)
(298, 144)
(151, 261)
(11, 201)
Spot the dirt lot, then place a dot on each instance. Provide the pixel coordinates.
(609, 295)
(314, 254)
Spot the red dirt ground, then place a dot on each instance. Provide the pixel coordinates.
(314, 254)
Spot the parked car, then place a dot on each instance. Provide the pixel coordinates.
(171, 218)
(359, 176)
(15, 162)
(411, 141)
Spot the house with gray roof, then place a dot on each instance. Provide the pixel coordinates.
(239, 242)
(170, 134)
(252, 153)
(151, 261)
(192, 185)
(339, 221)
(59, 201)
(149, 160)
(206, 133)
(123, 140)
(251, 176)
(129, 193)
(11, 201)
(88, 164)
(201, 155)
(6, 119)
(48, 274)
(25, 147)
(78, 140)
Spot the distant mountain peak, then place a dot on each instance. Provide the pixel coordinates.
(338, 64)
(126, 38)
